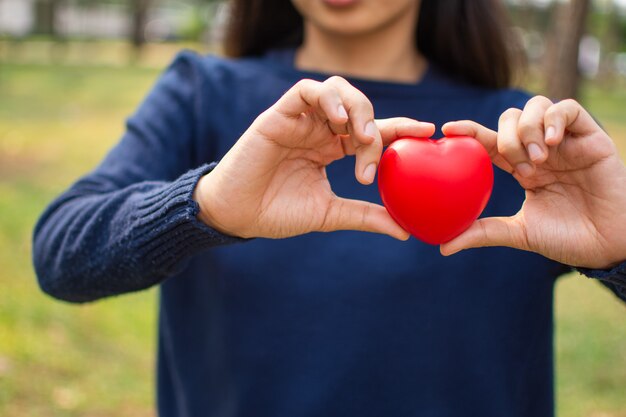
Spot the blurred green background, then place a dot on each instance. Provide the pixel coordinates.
(64, 95)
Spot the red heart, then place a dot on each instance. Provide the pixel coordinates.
(435, 189)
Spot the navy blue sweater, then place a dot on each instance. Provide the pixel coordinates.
(307, 326)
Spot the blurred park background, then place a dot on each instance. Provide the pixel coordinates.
(72, 70)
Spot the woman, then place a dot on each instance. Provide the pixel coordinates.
(343, 323)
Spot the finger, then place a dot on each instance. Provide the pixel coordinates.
(510, 145)
(338, 102)
(487, 137)
(366, 137)
(490, 231)
(399, 127)
(345, 214)
(530, 128)
(322, 98)
(333, 109)
(329, 101)
(567, 115)
(347, 144)
(367, 158)
(359, 108)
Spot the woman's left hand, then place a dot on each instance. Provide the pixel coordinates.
(575, 182)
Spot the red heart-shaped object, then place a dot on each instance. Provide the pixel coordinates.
(435, 189)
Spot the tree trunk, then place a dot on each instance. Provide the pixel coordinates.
(568, 27)
(45, 17)
(139, 12)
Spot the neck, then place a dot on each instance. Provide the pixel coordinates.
(366, 56)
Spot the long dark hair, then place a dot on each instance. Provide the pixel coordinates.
(468, 39)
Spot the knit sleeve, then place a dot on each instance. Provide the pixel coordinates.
(614, 279)
(132, 222)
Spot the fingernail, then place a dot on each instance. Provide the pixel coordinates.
(524, 169)
(341, 111)
(370, 129)
(369, 172)
(534, 151)
(550, 132)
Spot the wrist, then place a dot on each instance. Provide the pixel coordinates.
(611, 260)
(201, 196)
(615, 274)
(204, 195)
(610, 265)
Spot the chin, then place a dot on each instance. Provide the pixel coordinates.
(347, 29)
(353, 17)
(349, 22)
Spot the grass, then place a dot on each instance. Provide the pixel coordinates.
(58, 360)
(591, 350)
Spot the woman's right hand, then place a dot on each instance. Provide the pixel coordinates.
(273, 184)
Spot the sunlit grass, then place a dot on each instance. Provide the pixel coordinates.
(591, 350)
(57, 122)
(56, 359)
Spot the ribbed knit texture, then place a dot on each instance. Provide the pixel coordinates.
(614, 278)
(166, 229)
(155, 232)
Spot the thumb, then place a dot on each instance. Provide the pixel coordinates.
(490, 231)
(346, 214)
(398, 127)
(487, 137)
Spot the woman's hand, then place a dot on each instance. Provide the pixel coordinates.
(575, 182)
(272, 183)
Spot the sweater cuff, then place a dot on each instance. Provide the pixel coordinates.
(166, 229)
(615, 276)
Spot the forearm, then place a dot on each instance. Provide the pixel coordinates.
(90, 245)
